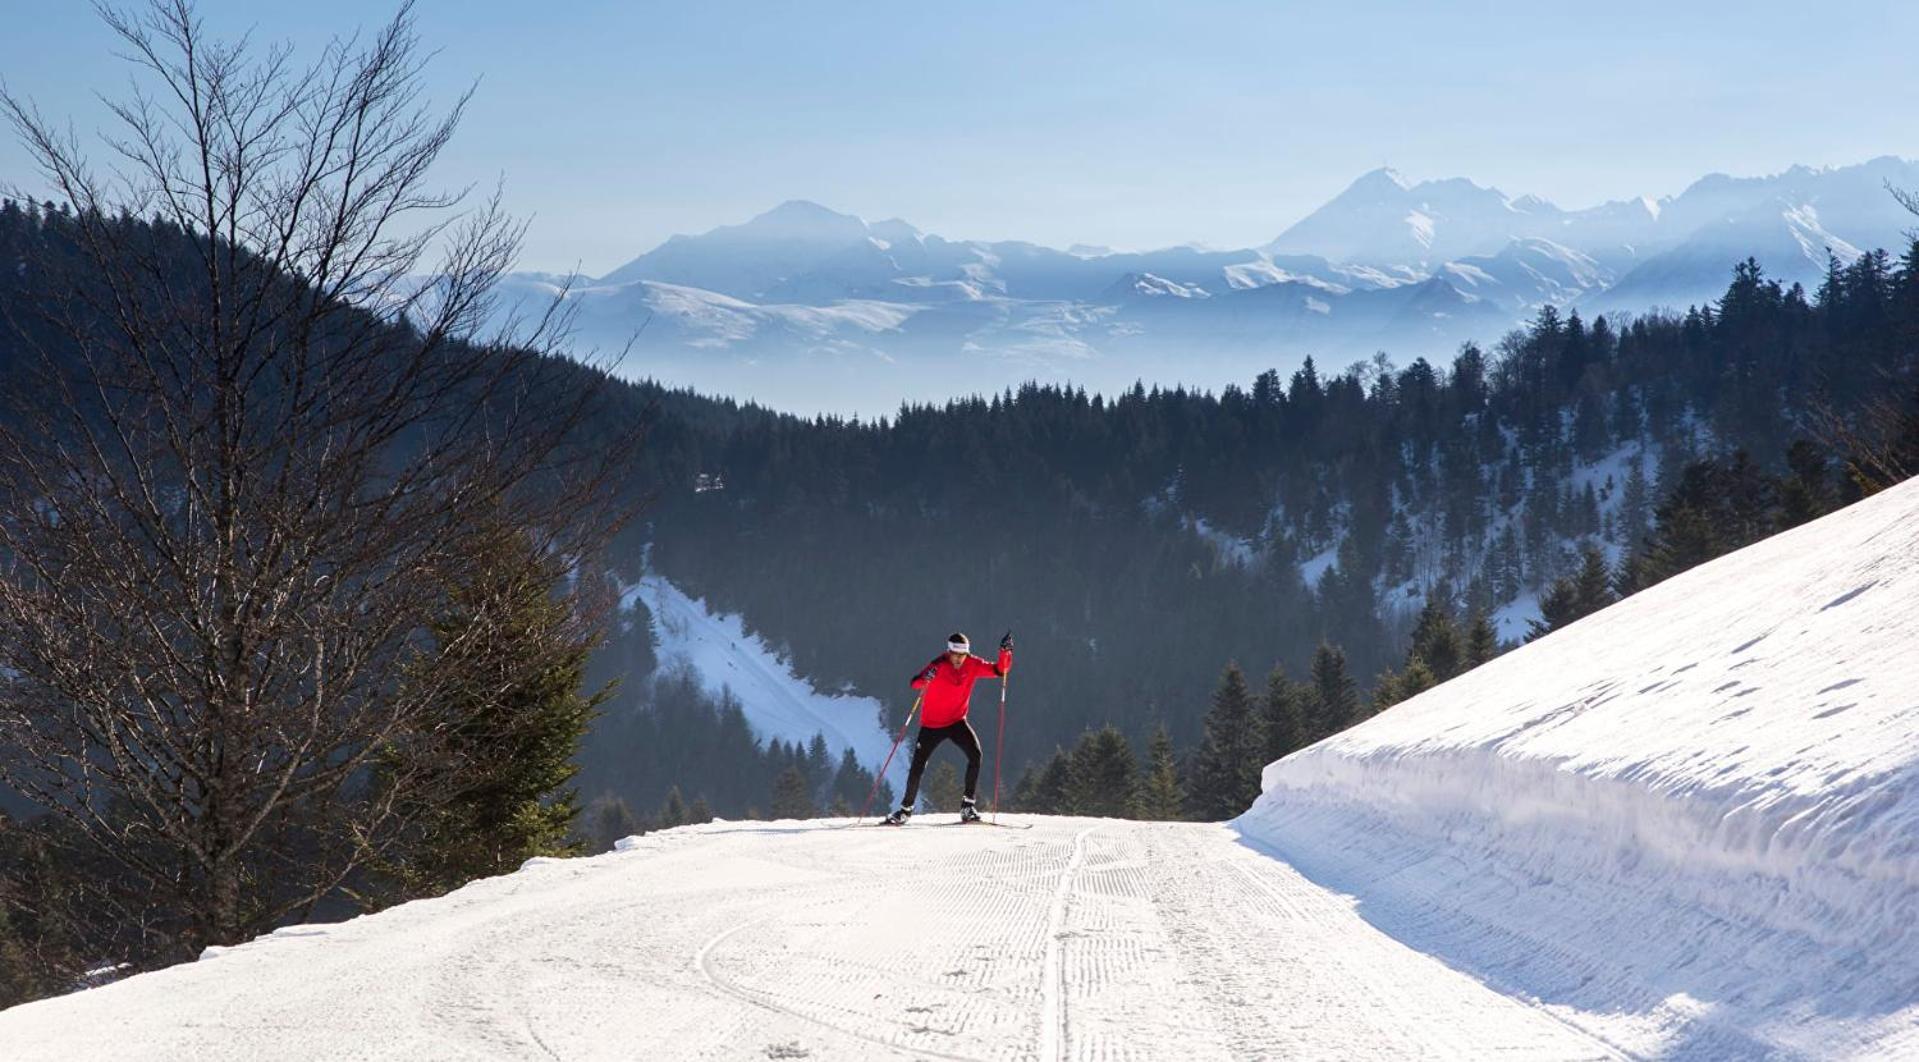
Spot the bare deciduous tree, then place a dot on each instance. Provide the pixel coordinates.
(240, 465)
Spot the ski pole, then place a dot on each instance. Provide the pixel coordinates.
(881, 776)
(999, 746)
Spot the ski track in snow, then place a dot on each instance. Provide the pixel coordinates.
(1090, 940)
(1052, 1011)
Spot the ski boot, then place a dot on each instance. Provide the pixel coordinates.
(897, 818)
(968, 813)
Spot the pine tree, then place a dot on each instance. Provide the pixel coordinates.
(819, 765)
(942, 787)
(1023, 797)
(1386, 690)
(851, 782)
(1805, 494)
(1335, 699)
(608, 820)
(699, 812)
(1436, 638)
(792, 797)
(673, 810)
(1043, 790)
(1101, 774)
(520, 716)
(1232, 753)
(1576, 596)
(1159, 796)
(1283, 708)
(1482, 642)
(1417, 679)
(1634, 505)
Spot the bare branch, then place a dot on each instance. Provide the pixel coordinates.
(257, 435)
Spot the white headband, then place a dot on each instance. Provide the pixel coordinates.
(958, 647)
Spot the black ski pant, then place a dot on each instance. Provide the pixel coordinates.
(961, 734)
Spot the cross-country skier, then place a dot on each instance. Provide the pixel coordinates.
(948, 685)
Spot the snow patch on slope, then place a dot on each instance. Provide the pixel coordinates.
(777, 703)
(1684, 824)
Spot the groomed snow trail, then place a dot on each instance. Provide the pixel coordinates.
(1079, 939)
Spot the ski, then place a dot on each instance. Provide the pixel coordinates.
(983, 822)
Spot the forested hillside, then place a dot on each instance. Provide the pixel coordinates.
(1138, 543)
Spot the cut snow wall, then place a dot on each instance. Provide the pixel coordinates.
(1689, 823)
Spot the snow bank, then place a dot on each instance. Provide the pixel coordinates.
(777, 703)
(1688, 824)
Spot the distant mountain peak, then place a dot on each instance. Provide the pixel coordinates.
(802, 210)
(1383, 179)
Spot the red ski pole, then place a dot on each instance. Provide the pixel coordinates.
(999, 746)
(881, 775)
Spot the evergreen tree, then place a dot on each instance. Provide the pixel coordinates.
(500, 797)
(1417, 679)
(1226, 769)
(1576, 596)
(1482, 642)
(792, 797)
(1634, 504)
(1043, 791)
(942, 787)
(1101, 775)
(608, 820)
(851, 782)
(819, 765)
(1284, 711)
(1715, 508)
(673, 810)
(1159, 796)
(699, 812)
(1386, 690)
(1805, 493)
(1335, 698)
(1436, 637)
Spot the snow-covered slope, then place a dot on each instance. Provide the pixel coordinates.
(1686, 827)
(1688, 824)
(776, 702)
(1080, 939)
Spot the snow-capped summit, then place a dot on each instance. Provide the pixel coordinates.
(1382, 220)
(802, 219)
(751, 260)
(1382, 181)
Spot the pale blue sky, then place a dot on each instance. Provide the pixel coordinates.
(616, 124)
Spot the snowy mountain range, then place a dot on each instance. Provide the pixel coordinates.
(809, 309)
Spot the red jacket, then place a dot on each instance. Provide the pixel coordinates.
(949, 688)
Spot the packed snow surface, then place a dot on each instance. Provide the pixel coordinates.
(1687, 825)
(1079, 938)
(777, 703)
